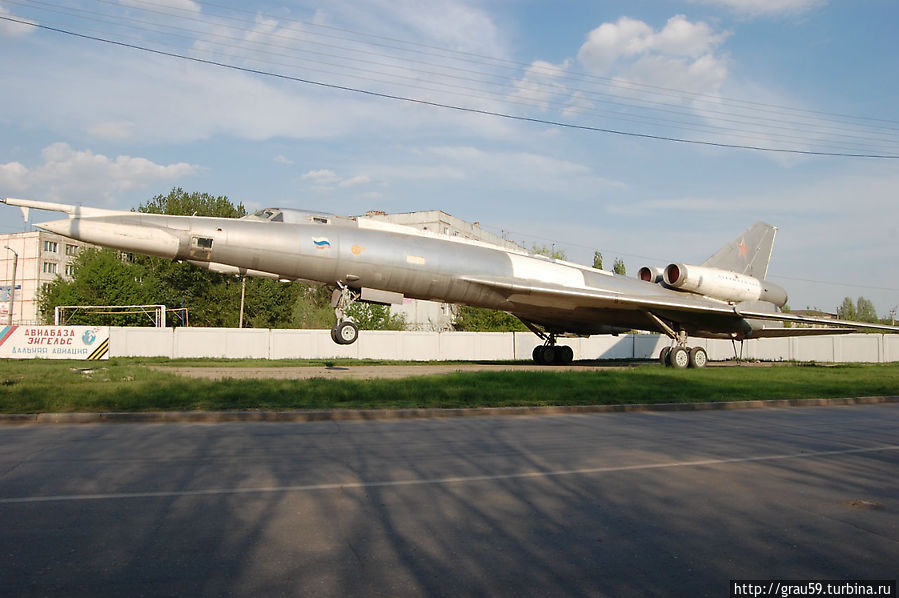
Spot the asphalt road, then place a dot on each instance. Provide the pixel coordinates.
(630, 504)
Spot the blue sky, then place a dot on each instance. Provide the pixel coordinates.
(88, 122)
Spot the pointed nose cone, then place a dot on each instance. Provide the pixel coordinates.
(60, 227)
(117, 235)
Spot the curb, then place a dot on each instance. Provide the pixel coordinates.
(215, 417)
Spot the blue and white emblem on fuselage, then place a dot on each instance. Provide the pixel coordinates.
(321, 242)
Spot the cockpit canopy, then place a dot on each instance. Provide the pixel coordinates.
(294, 216)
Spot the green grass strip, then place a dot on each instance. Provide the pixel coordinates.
(128, 385)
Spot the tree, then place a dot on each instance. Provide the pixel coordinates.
(101, 277)
(180, 203)
(556, 254)
(865, 311)
(597, 260)
(482, 319)
(618, 267)
(369, 316)
(846, 311)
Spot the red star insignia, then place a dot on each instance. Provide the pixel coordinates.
(742, 247)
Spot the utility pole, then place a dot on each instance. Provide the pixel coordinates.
(243, 290)
(12, 287)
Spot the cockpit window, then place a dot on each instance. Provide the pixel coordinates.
(267, 215)
(291, 216)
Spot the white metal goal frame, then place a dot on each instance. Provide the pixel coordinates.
(155, 313)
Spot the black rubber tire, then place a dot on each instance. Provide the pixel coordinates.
(679, 358)
(698, 357)
(346, 332)
(664, 354)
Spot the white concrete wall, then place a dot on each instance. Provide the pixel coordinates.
(482, 346)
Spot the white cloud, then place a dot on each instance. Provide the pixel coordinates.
(321, 177)
(11, 29)
(542, 84)
(69, 175)
(766, 7)
(355, 181)
(683, 55)
(283, 160)
(455, 24)
(183, 5)
(327, 180)
(13, 175)
(608, 42)
(523, 170)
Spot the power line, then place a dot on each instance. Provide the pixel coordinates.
(625, 106)
(448, 106)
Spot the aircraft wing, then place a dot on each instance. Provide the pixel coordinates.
(551, 295)
(782, 317)
(516, 290)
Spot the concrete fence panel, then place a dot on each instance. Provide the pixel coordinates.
(859, 347)
(141, 342)
(486, 346)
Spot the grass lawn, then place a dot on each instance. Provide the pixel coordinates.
(127, 384)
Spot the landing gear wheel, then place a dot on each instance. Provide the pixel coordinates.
(679, 358)
(664, 355)
(566, 355)
(698, 357)
(550, 355)
(537, 354)
(345, 333)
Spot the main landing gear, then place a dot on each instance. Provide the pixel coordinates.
(345, 331)
(552, 354)
(679, 355)
(549, 353)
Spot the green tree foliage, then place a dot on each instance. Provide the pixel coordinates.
(369, 316)
(556, 254)
(481, 319)
(618, 267)
(312, 308)
(597, 260)
(180, 203)
(846, 311)
(865, 311)
(862, 310)
(101, 277)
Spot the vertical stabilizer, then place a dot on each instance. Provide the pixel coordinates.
(747, 254)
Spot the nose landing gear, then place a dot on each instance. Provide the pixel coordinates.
(345, 331)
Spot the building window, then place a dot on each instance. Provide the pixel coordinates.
(71, 249)
(70, 270)
(50, 267)
(51, 246)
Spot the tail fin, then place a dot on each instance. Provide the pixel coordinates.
(747, 254)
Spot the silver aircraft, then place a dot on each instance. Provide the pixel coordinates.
(373, 261)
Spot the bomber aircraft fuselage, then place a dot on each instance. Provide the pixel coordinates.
(372, 260)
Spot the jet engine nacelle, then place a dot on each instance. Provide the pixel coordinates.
(651, 274)
(723, 284)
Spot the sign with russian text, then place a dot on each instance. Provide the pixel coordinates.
(54, 342)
